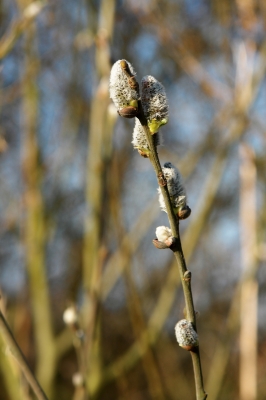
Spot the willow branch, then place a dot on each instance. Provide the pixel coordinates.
(122, 88)
(178, 252)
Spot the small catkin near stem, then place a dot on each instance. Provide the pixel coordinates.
(164, 239)
(163, 233)
(176, 190)
(186, 335)
(140, 142)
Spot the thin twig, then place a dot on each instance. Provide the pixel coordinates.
(178, 252)
(16, 351)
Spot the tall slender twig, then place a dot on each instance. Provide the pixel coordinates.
(124, 90)
(178, 252)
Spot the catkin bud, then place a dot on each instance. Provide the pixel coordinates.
(163, 233)
(186, 335)
(139, 139)
(77, 379)
(154, 103)
(70, 316)
(176, 191)
(164, 240)
(123, 93)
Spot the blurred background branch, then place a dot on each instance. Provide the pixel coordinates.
(19, 26)
(79, 209)
(15, 351)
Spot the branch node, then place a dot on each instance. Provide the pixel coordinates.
(161, 179)
(187, 276)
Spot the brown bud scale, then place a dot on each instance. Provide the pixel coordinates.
(128, 112)
(159, 245)
(143, 153)
(189, 347)
(184, 212)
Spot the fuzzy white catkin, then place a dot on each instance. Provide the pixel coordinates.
(120, 91)
(70, 316)
(32, 10)
(154, 100)
(163, 233)
(139, 138)
(185, 334)
(175, 187)
(77, 379)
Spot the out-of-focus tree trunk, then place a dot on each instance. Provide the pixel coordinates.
(99, 151)
(249, 290)
(34, 224)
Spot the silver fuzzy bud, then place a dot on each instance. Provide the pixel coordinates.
(154, 103)
(139, 139)
(122, 92)
(186, 335)
(163, 233)
(176, 190)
